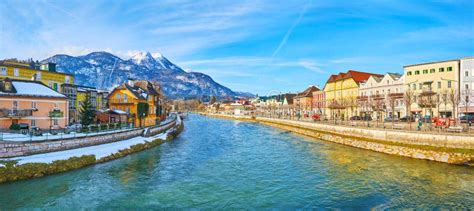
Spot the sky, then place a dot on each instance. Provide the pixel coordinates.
(259, 46)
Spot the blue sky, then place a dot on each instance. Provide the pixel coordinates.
(262, 47)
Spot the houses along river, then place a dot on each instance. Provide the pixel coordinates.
(230, 164)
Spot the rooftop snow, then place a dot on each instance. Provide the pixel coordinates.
(33, 89)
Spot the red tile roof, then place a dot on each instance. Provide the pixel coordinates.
(357, 76)
(307, 92)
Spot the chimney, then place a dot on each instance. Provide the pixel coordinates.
(130, 82)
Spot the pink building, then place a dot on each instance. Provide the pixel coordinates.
(31, 103)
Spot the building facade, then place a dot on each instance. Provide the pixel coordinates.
(382, 97)
(304, 100)
(141, 100)
(45, 73)
(77, 95)
(342, 91)
(466, 106)
(31, 103)
(434, 86)
(319, 102)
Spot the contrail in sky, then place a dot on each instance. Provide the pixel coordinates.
(290, 30)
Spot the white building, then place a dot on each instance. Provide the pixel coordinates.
(466, 105)
(377, 93)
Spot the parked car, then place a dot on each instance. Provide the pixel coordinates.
(426, 119)
(353, 118)
(467, 118)
(407, 119)
(391, 119)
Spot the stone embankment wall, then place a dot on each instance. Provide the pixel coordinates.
(453, 149)
(10, 149)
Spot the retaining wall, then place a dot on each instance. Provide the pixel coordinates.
(22, 148)
(453, 149)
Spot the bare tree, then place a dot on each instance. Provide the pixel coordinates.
(466, 99)
(408, 98)
(455, 99)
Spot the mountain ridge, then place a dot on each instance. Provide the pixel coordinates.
(105, 70)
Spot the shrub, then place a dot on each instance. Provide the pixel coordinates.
(15, 127)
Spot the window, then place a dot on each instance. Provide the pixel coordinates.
(3, 71)
(33, 105)
(33, 122)
(425, 71)
(439, 84)
(409, 73)
(16, 72)
(38, 75)
(117, 96)
(55, 122)
(467, 86)
(56, 105)
(417, 72)
(124, 98)
(15, 105)
(432, 70)
(414, 86)
(449, 69)
(449, 84)
(441, 69)
(466, 73)
(419, 86)
(67, 79)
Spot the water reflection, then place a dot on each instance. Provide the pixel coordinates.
(239, 165)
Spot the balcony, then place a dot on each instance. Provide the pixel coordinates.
(120, 101)
(396, 95)
(378, 97)
(362, 98)
(16, 113)
(56, 114)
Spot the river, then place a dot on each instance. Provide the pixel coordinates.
(228, 164)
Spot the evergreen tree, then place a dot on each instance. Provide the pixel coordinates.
(213, 100)
(87, 112)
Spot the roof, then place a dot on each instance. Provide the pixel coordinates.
(141, 89)
(357, 76)
(307, 92)
(412, 65)
(27, 88)
(8, 63)
(289, 98)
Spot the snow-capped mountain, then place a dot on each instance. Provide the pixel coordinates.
(105, 70)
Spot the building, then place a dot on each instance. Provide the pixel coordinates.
(31, 103)
(319, 102)
(77, 95)
(382, 96)
(112, 116)
(141, 100)
(434, 86)
(102, 96)
(304, 100)
(342, 91)
(466, 106)
(45, 73)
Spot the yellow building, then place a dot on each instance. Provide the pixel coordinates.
(45, 73)
(432, 85)
(141, 100)
(341, 93)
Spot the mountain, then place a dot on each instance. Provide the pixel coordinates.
(105, 70)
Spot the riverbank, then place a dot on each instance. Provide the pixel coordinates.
(450, 149)
(39, 165)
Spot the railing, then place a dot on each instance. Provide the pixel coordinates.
(16, 112)
(120, 100)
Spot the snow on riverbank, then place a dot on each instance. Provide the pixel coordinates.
(99, 151)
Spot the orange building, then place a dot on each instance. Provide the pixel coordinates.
(141, 100)
(31, 103)
(304, 100)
